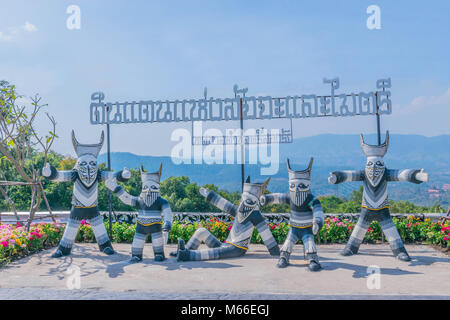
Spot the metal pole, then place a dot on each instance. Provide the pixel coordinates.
(108, 145)
(378, 119)
(242, 145)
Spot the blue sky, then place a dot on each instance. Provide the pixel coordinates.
(173, 49)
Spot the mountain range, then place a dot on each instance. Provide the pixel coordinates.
(330, 151)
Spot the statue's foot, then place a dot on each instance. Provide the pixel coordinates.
(61, 252)
(275, 251)
(57, 254)
(108, 250)
(159, 257)
(182, 253)
(314, 265)
(403, 256)
(173, 254)
(135, 259)
(282, 262)
(181, 245)
(346, 252)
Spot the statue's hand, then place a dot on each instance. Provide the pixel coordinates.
(204, 192)
(111, 184)
(332, 179)
(422, 176)
(165, 236)
(126, 174)
(317, 225)
(46, 170)
(262, 200)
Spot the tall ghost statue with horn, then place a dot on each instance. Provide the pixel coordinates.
(85, 176)
(375, 203)
(151, 207)
(306, 216)
(247, 216)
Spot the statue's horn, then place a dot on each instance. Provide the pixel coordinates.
(310, 163)
(160, 170)
(362, 139)
(102, 139)
(386, 141)
(74, 141)
(288, 164)
(264, 185)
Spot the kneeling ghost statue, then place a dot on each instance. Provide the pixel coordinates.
(247, 216)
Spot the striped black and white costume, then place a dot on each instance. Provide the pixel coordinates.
(247, 217)
(305, 218)
(151, 208)
(85, 177)
(375, 202)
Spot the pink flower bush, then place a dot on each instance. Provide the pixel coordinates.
(16, 241)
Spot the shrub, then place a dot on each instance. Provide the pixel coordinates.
(16, 242)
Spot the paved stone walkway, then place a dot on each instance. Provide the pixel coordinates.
(253, 276)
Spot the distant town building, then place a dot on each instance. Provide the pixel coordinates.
(433, 193)
(446, 187)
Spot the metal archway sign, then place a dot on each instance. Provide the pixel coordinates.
(243, 107)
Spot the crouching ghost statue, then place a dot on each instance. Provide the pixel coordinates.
(151, 208)
(306, 216)
(85, 176)
(375, 203)
(247, 216)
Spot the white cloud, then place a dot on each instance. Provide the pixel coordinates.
(426, 102)
(5, 37)
(14, 32)
(29, 27)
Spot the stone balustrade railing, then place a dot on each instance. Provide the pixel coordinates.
(62, 216)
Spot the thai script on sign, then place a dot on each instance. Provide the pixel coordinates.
(258, 136)
(253, 108)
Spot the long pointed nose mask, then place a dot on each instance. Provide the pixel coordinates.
(374, 170)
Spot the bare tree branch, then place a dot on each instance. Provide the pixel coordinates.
(19, 141)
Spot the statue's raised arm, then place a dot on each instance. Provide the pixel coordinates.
(337, 177)
(409, 175)
(274, 198)
(219, 202)
(51, 173)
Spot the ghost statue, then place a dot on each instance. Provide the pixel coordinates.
(306, 216)
(375, 203)
(151, 208)
(247, 216)
(85, 176)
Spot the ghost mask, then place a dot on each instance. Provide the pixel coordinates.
(375, 167)
(250, 198)
(299, 183)
(374, 170)
(86, 165)
(150, 186)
